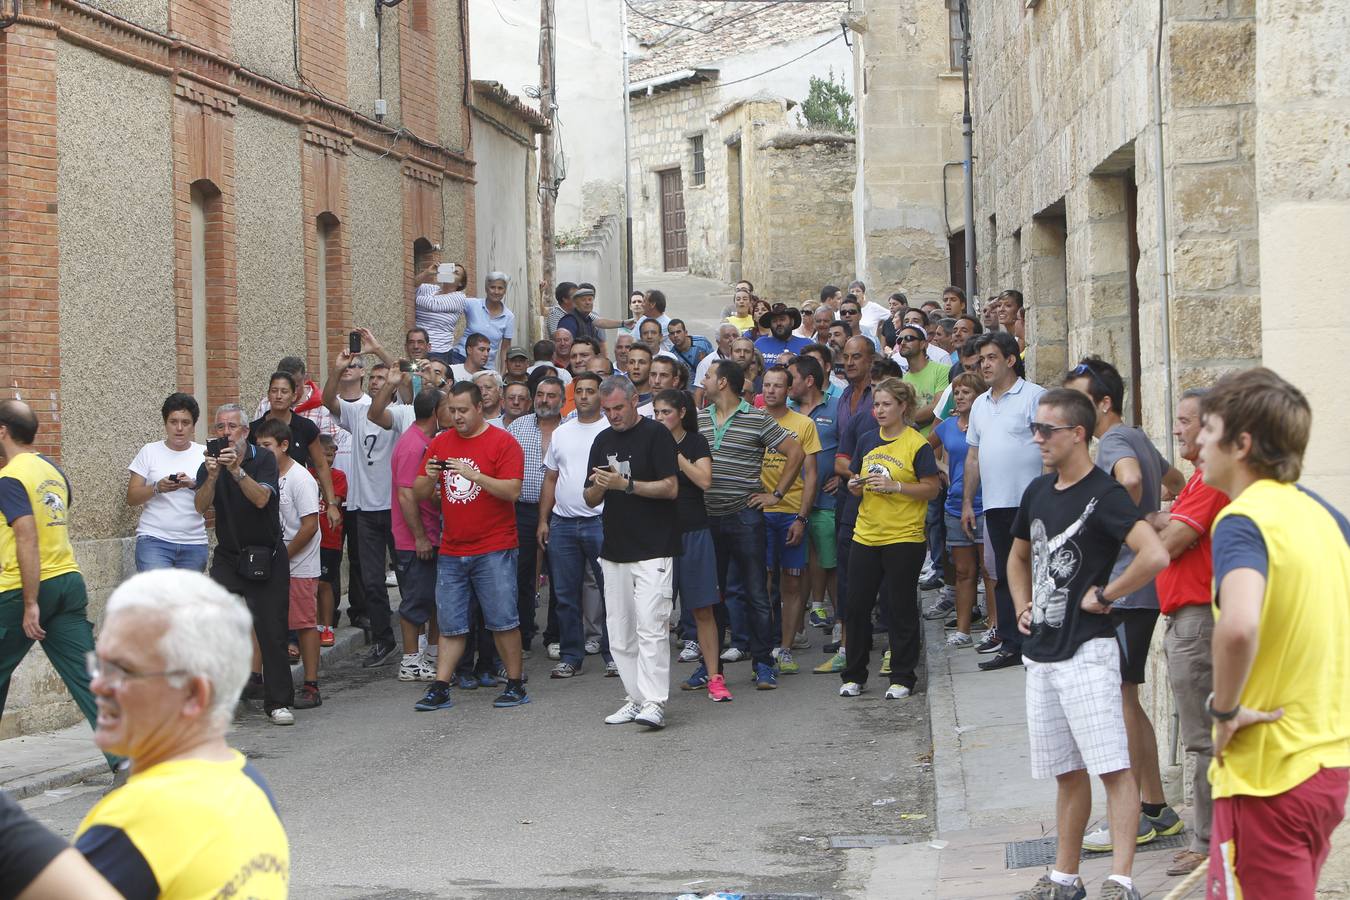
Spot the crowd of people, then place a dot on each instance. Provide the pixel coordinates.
(798, 468)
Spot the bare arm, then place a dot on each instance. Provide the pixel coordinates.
(1177, 537)
(206, 491)
(139, 491)
(324, 476)
(330, 386)
(605, 479)
(547, 491)
(1236, 634)
(1019, 580)
(507, 489)
(379, 404)
(1149, 559)
(791, 449)
(69, 874)
(30, 573)
(1126, 471)
(1173, 481)
(308, 525)
(970, 486)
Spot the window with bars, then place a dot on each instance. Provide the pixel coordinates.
(956, 34)
(699, 171)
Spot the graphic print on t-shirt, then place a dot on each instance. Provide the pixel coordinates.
(459, 489)
(1054, 563)
(623, 468)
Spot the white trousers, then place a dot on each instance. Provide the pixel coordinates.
(638, 600)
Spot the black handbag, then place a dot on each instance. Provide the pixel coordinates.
(255, 562)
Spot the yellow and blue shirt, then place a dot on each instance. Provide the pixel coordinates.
(892, 518)
(1301, 546)
(189, 828)
(32, 485)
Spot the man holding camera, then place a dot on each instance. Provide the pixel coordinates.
(240, 483)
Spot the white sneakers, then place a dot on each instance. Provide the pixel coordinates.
(416, 667)
(734, 654)
(555, 651)
(691, 652)
(625, 714)
(651, 714)
(897, 692)
(281, 716)
(592, 648)
(956, 640)
(850, 689)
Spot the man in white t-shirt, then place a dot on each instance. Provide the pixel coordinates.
(375, 425)
(476, 350)
(726, 333)
(873, 313)
(298, 494)
(569, 529)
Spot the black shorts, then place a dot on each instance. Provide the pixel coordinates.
(1134, 634)
(330, 568)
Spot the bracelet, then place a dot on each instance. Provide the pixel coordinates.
(1215, 714)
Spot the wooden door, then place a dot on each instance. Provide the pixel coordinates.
(673, 244)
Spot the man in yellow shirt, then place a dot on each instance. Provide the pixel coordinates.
(42, 593)
(1281, 645)
(195, 819)
(785, 519)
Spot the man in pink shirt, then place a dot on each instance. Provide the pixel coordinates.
(417, 534)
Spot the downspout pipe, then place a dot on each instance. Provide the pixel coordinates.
(968, 138)
(1164, 269)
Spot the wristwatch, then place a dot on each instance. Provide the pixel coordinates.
(777, 493)
(1100, 591)
(800, 518)
(628, 488)
(1215, 714)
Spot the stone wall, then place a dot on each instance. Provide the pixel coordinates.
(799, 214)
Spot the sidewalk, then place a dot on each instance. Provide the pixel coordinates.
(987, 801)
(53, 760)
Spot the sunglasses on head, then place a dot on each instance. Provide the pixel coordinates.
(1083, 370)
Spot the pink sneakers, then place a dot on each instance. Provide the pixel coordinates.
(717, 689)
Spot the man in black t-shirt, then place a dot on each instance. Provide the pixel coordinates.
(633, 472)
(1066, 536)
(241, 486)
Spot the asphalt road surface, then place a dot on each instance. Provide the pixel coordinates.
(546, 801)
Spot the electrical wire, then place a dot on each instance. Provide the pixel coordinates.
(764, 6)
(782, 64)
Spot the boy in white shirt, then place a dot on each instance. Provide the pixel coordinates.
(299, 501)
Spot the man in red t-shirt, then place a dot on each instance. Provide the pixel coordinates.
(475, 471)
(1185, 591)
(330, 545)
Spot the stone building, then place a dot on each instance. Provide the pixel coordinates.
(192, 189)
(908, 216)
(707, 100)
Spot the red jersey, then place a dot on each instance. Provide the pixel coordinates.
(331, 535)
(1189, 579)
(472, 520)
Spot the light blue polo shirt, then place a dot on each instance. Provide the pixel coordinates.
(1001, 429)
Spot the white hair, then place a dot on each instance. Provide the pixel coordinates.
(208, 630)
(232, 408)
(488, 373)
(617, 384)
(497, 276)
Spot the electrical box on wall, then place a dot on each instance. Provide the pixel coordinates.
(381, 108)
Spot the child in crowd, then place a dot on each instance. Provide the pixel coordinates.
(330, 546)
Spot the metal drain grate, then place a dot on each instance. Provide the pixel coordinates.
(1041, 851)
(867, 841)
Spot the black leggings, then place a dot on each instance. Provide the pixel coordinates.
(896, 568)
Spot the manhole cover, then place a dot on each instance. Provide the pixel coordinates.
(1041, 851)
(867, 841)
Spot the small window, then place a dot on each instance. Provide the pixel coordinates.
(696, 145)
(956, 33)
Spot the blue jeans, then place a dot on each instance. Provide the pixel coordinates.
(486, 578)
(740, 537)
(153, 553)
(573, 543)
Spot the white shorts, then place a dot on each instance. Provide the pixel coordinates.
(1074, 717)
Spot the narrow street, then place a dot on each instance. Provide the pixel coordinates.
(542, 801)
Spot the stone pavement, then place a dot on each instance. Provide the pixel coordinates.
(986, 797)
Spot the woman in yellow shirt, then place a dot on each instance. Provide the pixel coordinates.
(895, 473)
(741, 318)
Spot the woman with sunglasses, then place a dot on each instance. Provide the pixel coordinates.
(696, 567)
(895, 473)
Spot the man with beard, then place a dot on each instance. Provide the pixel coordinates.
(781, 320)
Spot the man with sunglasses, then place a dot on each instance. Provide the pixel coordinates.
(1001, 462)
(850, 313)
(1128, 456)
(1068, 531)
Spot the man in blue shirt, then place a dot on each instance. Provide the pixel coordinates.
(781, 320)
(807, 379)
(691, 348)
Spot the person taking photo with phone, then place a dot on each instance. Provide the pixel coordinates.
(171, 533)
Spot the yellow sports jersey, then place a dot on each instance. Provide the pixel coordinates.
(893, 518)
(189, 829)
(1303, 662)
(804, 430)
(32, 485)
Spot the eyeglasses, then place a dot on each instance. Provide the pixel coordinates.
(1045, 430)
(114, 675)
(907, 338)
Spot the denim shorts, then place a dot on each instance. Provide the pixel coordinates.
(777, 553)
(696, 571)
(155, 553)
(416, 586)
(956, 535)
(487, 578)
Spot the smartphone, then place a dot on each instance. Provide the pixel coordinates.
(174, 478)
(405, 365)
(215, 445)
(354, 343)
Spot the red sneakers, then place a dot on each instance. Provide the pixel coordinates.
(325, 636)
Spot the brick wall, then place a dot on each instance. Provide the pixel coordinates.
(324, 179)
(30, 360)
(323, 48)
(205, 23)
(417, 67)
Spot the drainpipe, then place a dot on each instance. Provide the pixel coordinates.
(627, 165)
(1164, 275)
(968, 136)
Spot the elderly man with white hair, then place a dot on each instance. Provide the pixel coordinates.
(726, 336)
(490, 386)
(194, 818)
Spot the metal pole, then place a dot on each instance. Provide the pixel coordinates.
(1164, 287)
(968, 137)
(547, 186)
(627, 165)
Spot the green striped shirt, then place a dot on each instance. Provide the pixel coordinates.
(738, 446)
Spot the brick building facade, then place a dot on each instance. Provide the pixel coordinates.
(192, 189)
